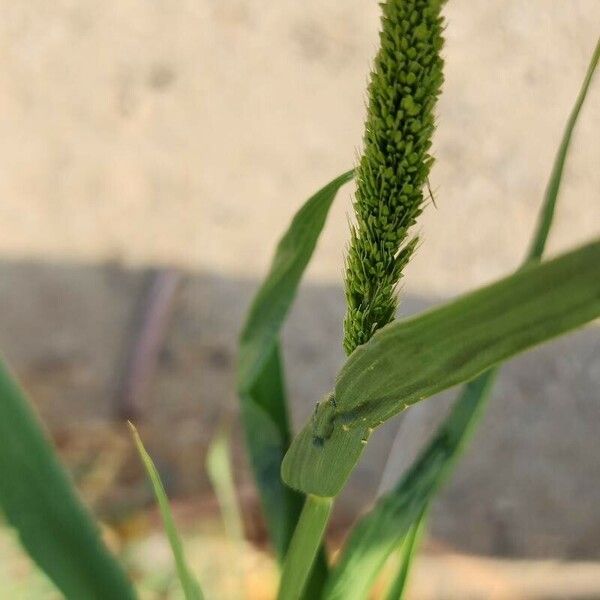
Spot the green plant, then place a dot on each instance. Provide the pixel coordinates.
(391, 366)
(408, 361)
(191, 588)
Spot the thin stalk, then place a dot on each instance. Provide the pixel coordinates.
(304, 546)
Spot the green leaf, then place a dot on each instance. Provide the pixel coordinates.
(275, 296)
(408, 552)
(378, 534)
(470, 404)
(218, 465)
(265, 422)
(40, 502)
(553, 187)
(191, 588)
(413, 359)
(260, 378)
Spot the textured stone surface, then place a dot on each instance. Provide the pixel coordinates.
(137, 134)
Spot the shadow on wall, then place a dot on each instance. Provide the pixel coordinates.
(528, 485)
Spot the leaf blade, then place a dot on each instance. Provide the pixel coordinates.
(408, 553)
(191, 588)
(260, 373)
(39, 501)
(553, 187)
(511, 308)
(275, 296)
(412, 359)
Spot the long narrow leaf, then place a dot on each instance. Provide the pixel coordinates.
(265, 422)
(190, 586)
(275, 296)
(553, 187)
(473, 397)
(408, 552)
(413, 359)
(260, 378)
(39, 501)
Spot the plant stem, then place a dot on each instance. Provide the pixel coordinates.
(304, 546)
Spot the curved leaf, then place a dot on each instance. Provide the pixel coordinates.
(260, 375)
(410, 360)
(408, 552)
(191, 588)
(275, 296)
(553, 187)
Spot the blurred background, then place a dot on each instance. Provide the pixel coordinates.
(152, 153)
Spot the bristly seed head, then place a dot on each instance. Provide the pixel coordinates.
(405, 84)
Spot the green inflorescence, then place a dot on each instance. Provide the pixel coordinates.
(393, 170)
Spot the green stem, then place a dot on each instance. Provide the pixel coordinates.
(304, 546)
